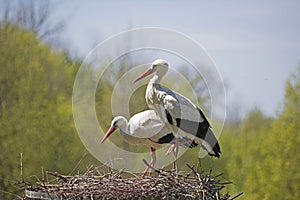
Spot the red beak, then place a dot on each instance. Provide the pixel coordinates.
(108, 133)
(146, 73)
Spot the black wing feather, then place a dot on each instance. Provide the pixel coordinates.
(198, 129)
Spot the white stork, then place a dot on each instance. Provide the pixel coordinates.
(146, 128)
(185, 119)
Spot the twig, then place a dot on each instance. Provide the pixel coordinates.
(237, 196)
(43, 176)
(156, 170)
(21, 166)
(192, 168)
(219, 175)
(78, 163)
(95, 184)
(225, 183)
(118, 173)
(58, 175)
(5, 192)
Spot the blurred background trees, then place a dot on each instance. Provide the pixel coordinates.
(30, 15)
(259, 153)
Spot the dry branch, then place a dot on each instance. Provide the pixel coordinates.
(93, 184)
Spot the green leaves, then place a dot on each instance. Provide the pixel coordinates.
(281, 162)
(259, 154)
(266, 150)
(35, 107)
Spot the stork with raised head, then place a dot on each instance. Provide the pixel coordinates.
(146, 128)
(184, 118)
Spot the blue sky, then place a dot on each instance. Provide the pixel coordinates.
(255, 44)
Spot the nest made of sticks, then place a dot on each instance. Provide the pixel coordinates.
(94, 184)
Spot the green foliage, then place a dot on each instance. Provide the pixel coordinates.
(280, 167)
(35, 107)
(259, 154)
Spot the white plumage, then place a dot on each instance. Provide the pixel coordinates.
(145, 128)
(184, 118)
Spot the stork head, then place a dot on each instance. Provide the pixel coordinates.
(159, 66)
(117, 122)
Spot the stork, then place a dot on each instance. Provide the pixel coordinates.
(146, 128)
(184, 118)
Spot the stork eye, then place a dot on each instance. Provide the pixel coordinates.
(115, 124)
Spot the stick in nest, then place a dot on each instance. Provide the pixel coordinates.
(166, 185)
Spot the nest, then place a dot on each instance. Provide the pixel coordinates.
(94, 184)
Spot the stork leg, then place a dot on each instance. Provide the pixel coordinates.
(210, 163)
(171, 149)
(172, 146)
(152, 162)
(175, 151)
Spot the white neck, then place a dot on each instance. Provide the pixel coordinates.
(124, 126)
(156, 79)
(125, 133)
